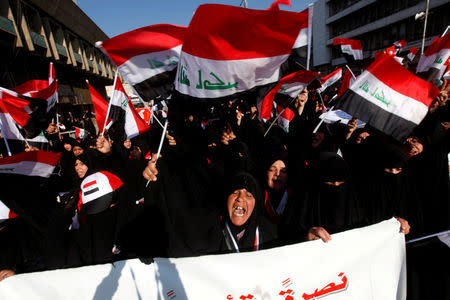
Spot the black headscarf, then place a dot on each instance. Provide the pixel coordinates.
(333, 207)
(248, 182)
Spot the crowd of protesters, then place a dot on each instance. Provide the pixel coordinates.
(221, 185)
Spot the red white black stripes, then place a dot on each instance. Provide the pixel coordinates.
(350, 47)
(33, 163)
(434, 58)
(147, 57)
(122, 108)
(330, 79)
(236, 50)
(388, 97)
(96, 192)
(291, 85)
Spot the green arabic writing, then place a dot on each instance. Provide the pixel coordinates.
(170, 61)
(7, 169)
(374, 93)
(182, 78)
(208, 85)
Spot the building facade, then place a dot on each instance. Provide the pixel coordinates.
(377, 23)
(34, 33)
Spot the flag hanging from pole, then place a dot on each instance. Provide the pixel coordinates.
(147, 58)
(330, 79)
(432, 63)
(291, 85)
(412, 53)
(350, 47)
(236, 50)
(100, 107)
(347, 81)
(123, 111)
(389, 97)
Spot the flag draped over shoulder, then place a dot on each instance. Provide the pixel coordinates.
(100, 107)
(350, 47)
(147, 57)
(435, 58)
(230, 49)
(290, 85)
(123, 111)
(389, 97)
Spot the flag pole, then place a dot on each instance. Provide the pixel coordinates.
(425, 27)
(321, 121)
(445, 31)
(278, 116)
(310, 18)
(109, 104)
(160, 145)
(428, 236)
(353, 75)
(4, 138)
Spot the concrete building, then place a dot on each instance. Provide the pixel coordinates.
(34, 33)
(377, 23)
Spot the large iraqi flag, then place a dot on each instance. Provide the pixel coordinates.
(147, 57)
(389, 97)
(230, 49)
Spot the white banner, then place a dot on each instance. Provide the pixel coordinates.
(365, 263)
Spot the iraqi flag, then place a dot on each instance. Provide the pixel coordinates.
(432, 63)
(290, 85)
(285, 117)
(147, 58)
(80, 133)
(6, 213)
(100, 107)
(347, 81)
(145, 113)
(32, 113)
(389, 97)
(412, 53)
(13, 132)
(96, 192)
(123, 112)
(33, 163)
(236, 50)
(399, 45)
(329, 80)
(350, 47)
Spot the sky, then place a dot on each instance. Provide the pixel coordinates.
(115, 17)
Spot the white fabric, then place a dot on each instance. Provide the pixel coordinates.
(339, 115)
(101, 183)
(12, 132)
(365, 263)
(142, 67)
(393, 102)
(247, 73)
(4, 211)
